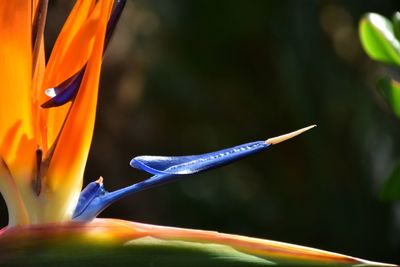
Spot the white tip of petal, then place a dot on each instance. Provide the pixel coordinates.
(50, 92)
(100, 180)
(284, 137)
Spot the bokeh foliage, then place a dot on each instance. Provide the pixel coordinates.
(380, 39)
(187, 77)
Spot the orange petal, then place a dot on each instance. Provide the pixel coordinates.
(9, 142)
(64, 177)
(37, 85)
(15, 70)
(37, 81)
(56, 70)
(65, 60)
(75, 57)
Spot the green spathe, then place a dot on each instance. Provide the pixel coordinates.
(108, 242)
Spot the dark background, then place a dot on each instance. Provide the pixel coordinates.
(188, 77)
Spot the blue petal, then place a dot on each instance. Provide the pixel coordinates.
(196, 163)
(66, 91)
(94, 199)
(91, 191)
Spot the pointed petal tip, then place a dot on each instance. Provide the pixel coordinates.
(100, 180)
(48, 104)
(284, 137)
(50, 92)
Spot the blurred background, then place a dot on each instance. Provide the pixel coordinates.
(189, 77)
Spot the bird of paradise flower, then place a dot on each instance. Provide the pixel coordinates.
(47, 114)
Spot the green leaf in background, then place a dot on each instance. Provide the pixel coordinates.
(390, 89)
(391, 188)
(378, 38)
(396, 24)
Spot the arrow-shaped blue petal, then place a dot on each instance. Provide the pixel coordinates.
(94, 199)
(196, 163)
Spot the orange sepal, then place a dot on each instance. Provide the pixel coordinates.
(70, 52)
(15, 71)
(56, 70)
(63, 180)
